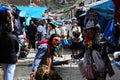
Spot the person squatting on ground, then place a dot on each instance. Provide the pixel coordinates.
(43, 61)
(96, 63)
(9, 47)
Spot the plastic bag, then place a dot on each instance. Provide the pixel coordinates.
(99, 63)
(90, 71)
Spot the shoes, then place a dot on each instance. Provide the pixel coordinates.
(74, 56)
(60, 55)
(65, 62)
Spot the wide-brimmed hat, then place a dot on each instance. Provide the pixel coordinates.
(90, 25)
(74, 20)
(60, 22)
(53, 23)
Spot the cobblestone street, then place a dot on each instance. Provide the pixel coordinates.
(68, 72)
(93, 26)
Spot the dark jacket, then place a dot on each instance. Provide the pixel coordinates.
(9, 47)
(32, 30)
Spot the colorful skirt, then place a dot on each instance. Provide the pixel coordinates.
(41, 75)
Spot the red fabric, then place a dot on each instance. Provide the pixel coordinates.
(116, 10)
(15, 26)
(44, 41)
(87, 39)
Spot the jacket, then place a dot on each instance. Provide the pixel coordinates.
(9, 48)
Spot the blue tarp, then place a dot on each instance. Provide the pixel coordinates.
(116, 63)
(31, 11)
(108, 33)
(3, 7)
(104, 8)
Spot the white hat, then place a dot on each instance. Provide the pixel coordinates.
(90, 24)
(116, 54)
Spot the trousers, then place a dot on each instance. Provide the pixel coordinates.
(8, 71)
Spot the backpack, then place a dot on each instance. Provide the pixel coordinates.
(76, 34)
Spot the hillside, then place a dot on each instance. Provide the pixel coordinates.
(52, 4)
(15, 2)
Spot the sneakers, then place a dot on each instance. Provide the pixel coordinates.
(74, 56)
(65, 62)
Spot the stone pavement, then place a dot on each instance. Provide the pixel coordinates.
(68, 72)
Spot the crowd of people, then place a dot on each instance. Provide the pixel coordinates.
(50, 37)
